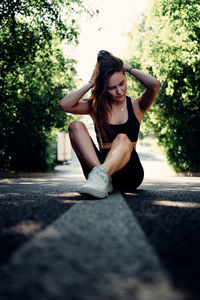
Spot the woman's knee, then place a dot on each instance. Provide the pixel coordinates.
(123, 138)
(76, 126)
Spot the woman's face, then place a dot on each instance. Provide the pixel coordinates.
(117, 86)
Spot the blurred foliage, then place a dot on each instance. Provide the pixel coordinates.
(167, 45)
(34, 75)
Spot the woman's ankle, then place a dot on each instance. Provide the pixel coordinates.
(104, 166)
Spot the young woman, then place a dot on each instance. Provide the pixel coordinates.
(117, 120)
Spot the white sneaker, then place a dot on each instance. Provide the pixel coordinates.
(98, 183)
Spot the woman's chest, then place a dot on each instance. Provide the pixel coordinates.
(118, 116)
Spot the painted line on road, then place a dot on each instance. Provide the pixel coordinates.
(96, 250)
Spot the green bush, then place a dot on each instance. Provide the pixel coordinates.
(34, 75)
(167, 44)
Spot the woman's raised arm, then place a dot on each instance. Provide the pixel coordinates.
(72, 102)
(152, 87)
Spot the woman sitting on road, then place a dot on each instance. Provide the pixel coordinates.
(117, 120)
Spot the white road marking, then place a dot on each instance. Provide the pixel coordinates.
(96, 250)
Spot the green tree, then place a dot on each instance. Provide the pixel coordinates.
(33, 77)
(168, 46)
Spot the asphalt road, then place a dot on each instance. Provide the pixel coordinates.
(57, 244)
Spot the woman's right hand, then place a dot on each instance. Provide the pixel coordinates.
(94, 73)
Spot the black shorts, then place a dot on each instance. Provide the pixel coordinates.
(126, 179)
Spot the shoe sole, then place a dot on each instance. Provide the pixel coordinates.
(93, 192)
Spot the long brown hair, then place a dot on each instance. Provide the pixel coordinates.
(100, 100)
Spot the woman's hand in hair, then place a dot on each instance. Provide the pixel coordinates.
(94, 73)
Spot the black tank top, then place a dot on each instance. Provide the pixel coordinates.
(130, 127)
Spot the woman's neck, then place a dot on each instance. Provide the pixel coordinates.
(119, 103)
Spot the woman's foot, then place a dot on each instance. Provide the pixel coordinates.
(98, 183)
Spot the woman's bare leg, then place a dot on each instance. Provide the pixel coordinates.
(82, 144)
(119, 154)
(98, 183)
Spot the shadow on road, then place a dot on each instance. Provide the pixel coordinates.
(169, 215)
(149, 157)
(27, 206)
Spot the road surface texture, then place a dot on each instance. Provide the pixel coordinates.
(58, 244)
